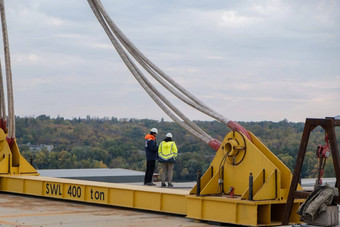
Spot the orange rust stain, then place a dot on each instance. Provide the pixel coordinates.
(3, 222)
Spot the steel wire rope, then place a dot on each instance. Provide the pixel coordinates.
(176, 110)
(135, 51)
(137, 74)
(126, 42)
(151, 72)
(140, 57)
(164, 83)
(138, 77)
(172, 107)
(2, 98)
(157, 77)
(162, 97)
(11, 116)
(161, 80)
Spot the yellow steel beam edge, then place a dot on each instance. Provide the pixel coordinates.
(175, 201)
(91, 183)
(123, 195)
(18, 188)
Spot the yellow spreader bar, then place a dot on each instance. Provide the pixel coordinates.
(123, 195)
(174, 201)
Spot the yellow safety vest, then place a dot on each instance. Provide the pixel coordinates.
(167, 150)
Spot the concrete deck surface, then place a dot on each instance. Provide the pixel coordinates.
(20, 210)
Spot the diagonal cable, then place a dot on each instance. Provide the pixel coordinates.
(151, 90)
(11, 116)
(153, 70)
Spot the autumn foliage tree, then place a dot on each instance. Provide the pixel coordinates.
(119, 143)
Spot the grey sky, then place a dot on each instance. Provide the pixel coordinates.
(249, 60)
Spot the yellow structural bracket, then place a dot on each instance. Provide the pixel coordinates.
(11, 161)
(239, 161)
(258, 180)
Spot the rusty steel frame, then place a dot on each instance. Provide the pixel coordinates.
(328, 124)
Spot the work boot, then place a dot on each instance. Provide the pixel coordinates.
(170, 185)
(163, 185)
(150, 184)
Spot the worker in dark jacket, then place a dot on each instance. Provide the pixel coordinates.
(151, 152)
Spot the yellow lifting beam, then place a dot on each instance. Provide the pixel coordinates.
(230, 169)
(123, 195)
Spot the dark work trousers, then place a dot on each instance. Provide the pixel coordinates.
(150, 169)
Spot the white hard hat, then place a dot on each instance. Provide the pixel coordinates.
(154, 130)
(169, 135)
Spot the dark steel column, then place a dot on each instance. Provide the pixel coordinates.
(309, 126)
(330, 129)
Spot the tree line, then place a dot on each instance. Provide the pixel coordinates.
(119, 143)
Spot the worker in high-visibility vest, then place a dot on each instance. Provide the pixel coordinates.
(167, 154)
